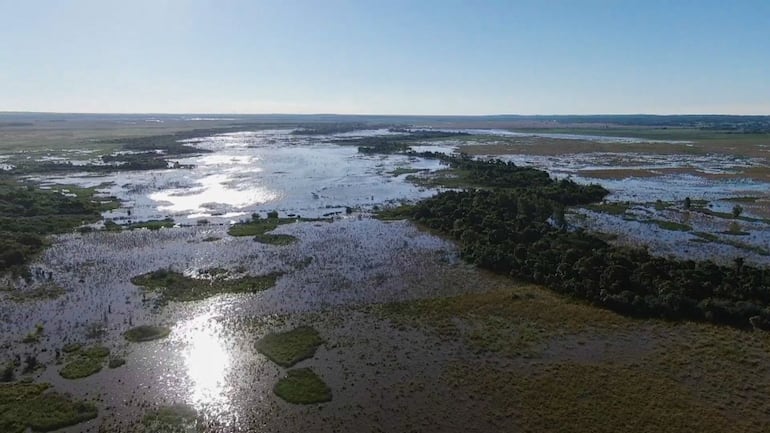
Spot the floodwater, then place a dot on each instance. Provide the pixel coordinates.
(209, 361)
(259, 172)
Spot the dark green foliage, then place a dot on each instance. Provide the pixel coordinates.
(302, 386)
(85, 362)
(174, 286)
(509, 232)
(146, 333)
(28, 214)
(259, 226)
(153, 224)
(288, 348)
(28, 405)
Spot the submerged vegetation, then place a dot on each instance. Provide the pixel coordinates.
(173, 286)
(146, 333)
(289, 348)
(170, 419)
(32, 405)
(85, 362)
(302, 386)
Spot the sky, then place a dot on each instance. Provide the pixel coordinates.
(386, 57)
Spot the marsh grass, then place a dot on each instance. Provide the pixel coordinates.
(85, 362)
(146, 333)
(302, 386)
(31, 405)
(173, 286)
(275, 239)
(45, 291)
(512, 321)
(291, 347)
(153, 224)
(601, 398)
(257, 227)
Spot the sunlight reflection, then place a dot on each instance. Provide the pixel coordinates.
(208, 361)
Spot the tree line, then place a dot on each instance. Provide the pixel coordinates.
(516, 226)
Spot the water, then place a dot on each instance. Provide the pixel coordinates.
(258, 172)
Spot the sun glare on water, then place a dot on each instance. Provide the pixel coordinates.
(207, 360)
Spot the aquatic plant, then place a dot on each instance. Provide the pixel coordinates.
(302, 386)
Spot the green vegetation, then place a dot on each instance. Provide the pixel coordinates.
(34, 336)
(153, 224)
(84, 362)
(288, 348)
(146, 333)
(258, 226)
(30, 405)
(170, 419)
(572, 397)
(398, 171)
(116, 362)
(302, 386)
(670, 225)
(275, 239)
(45, 291)
(28, 213)
(509, 231)
(71, 347)
(512, 321)
(174, 286)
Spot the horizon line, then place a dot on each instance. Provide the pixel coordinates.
(150, 113)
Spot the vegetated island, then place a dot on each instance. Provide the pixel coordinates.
(510, 219)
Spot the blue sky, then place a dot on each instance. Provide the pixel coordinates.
(386, 57)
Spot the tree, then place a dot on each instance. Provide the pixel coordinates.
(737, 211)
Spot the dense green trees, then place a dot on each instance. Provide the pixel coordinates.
(514, 229)
(28, 213)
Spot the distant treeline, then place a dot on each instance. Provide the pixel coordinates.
(516, 227)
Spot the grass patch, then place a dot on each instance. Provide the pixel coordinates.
(512, 321)
(71, 347)
(211, 239)
(153, 224)
(289, 348)
(671, 225)
(405, 211)
(710, 237)
(116, 362)
(146, 333)
(174, 286)
(398, 171)
(29, 405)
(258, 226)
(46, 291)
(302, 386)
(600, 398)
(85, 362)
(34, 336)
(278, 239)
(170, 419)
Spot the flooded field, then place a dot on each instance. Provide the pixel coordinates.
(414, 339)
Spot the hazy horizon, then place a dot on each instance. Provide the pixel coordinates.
(448, 58)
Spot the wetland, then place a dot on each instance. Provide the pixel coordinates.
(383, 274)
